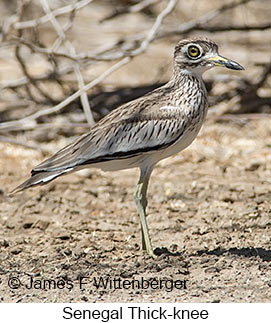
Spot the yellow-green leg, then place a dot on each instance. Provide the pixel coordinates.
(141, 203)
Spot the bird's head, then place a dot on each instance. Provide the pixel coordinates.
(199, 55)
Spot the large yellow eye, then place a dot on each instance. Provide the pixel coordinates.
(193, 51)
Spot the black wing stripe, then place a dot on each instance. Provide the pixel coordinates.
(129, 154)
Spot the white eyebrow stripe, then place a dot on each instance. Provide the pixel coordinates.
(169, 107)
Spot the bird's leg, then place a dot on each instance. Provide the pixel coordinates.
(141, 203)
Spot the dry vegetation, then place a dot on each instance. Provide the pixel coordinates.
(67, 63)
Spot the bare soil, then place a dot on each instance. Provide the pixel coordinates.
(209, 218)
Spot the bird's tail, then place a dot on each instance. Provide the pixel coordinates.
(40, 178)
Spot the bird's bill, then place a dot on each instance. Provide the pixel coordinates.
(225, 62)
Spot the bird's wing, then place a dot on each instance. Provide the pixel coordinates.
(124, 133)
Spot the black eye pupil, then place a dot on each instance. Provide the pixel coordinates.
(193, 51)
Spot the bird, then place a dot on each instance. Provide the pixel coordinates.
(140, 133)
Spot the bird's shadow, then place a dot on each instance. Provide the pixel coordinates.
(159, 251)
(264, 254)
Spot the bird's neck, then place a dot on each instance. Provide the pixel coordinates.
(184, 76)
(187, 72)
(190, 91)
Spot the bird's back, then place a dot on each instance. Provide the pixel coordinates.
(146, 125)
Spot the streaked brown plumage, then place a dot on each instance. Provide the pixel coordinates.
(146, 130)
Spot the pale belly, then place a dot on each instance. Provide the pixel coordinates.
(181, 144)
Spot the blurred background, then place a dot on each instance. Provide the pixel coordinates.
(122, 49)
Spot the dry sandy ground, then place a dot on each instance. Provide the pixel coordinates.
(209, 218)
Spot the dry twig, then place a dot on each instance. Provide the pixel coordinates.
(57, 12)
(71, 49)
(30, 121)
(132, 9)
(120, 53)
(203, 21)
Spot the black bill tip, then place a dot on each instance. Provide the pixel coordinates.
(233, 65)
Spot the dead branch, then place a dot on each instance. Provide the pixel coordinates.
(71, 49)
(120, 53)
(132, 9)
(19, 143)
(212, 29)
(30, 121)
(245, 96)
(32, 81)
(203, 21)
(57, 12)
(112, 53)
(241, 117)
